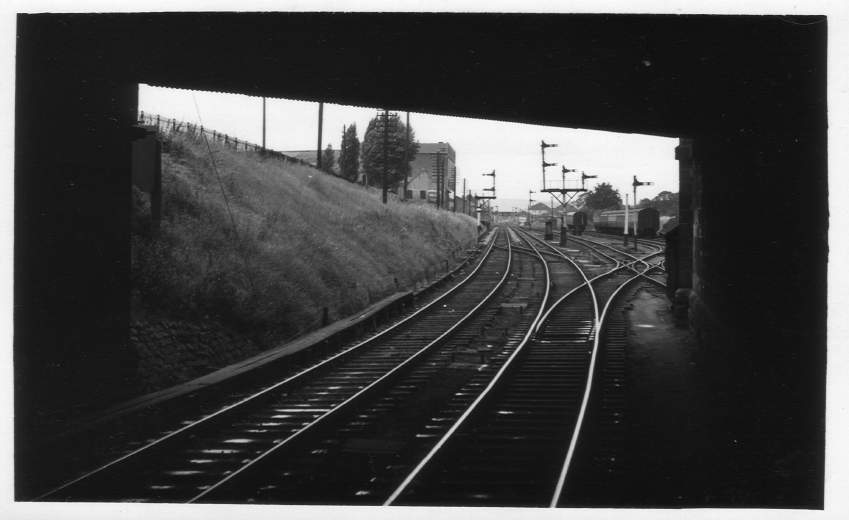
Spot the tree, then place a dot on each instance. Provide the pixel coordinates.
(666, 203)
(349, 154)
(328, 159)
(603, 197)
(398, 156)
(645, 203)
(580, 201)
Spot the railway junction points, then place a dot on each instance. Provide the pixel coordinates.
(534, 374)
(496, 399)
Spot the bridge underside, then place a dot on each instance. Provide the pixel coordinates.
(748, 91)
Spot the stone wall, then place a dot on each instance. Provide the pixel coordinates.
(170, 352)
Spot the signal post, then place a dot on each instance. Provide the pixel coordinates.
(563, 195)
(635, 184)
(486, 198)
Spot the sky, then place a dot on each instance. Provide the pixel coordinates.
(511, 149)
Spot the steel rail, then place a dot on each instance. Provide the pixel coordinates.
(561, 481)
(348, 402)
(459, 422)
(619, 264)
(658, 248)
(580, 271)
(540, 319)
(642, 260)
(573, 441)
(592, 244)
(230, 408)
(616, 261)
(651, 241)
(646, 272)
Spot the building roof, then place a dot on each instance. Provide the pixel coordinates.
(432, 148)
(540, 206)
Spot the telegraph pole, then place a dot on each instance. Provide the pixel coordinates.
(385, 154)
(438, 179)
(454, 189)
(320, 122)
(263, 123)
(464, 196)
(407, 157)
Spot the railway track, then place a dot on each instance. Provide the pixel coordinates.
(368, 450)
(602, 471)
(652, 262)
(91, 442)
(515, 444)
(602, 463)
(594, 475)
(220, 455)
(653, 242)
(479, 398)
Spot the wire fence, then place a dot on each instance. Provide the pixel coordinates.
(165, 125)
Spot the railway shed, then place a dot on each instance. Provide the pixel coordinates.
(746, 95)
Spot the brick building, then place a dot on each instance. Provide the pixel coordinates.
(540, 210)
(422, 184)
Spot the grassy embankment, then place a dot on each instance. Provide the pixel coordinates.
(303, 240)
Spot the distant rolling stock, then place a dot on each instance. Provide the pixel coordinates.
(576, 222)
(648, 222)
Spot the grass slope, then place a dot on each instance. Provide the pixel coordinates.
(302, 240)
